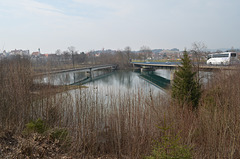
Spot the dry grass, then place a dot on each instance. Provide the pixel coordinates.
(15, 98)
(213, 131)
(124, 125)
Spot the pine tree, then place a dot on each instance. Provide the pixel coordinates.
(186, 89)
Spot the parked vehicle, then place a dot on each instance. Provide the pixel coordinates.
(225, 58)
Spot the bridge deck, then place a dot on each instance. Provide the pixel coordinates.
(174, 65)
(79, 69)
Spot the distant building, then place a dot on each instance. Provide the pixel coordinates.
(97, 54)
(20, 52)
(26, 52)
(170, 54)
(36, 54)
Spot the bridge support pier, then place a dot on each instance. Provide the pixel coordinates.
(147, 69)
(89, 73)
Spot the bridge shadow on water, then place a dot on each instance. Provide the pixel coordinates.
(92, 78)
(154, 79)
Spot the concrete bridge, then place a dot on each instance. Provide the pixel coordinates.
(74, 75)
(89, 68)
(173, 65)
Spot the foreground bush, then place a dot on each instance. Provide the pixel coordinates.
(36, 126)
(169, 147)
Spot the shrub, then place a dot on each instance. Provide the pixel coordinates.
(59, 134)
(61, 137)
(169, 146)
(36, 126)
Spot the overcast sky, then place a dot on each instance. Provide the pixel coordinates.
(115, 24)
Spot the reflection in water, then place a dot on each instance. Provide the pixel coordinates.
(118, 79)
(70, 78)
(126, 81)
(66, 78)
(165, 73)
(155, 79)
(95, 76)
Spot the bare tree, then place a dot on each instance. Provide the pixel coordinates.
(219, 51)
(80, 58)
(72, 51)
(199, 53)
(145, 52)
(58, 52)
(128, 51)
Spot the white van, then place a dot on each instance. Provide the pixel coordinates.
(225, 58)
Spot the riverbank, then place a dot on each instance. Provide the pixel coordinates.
(49, 90)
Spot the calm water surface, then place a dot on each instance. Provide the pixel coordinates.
(125, 81)
(108, 82)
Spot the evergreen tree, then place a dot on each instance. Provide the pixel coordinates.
(186, 89)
